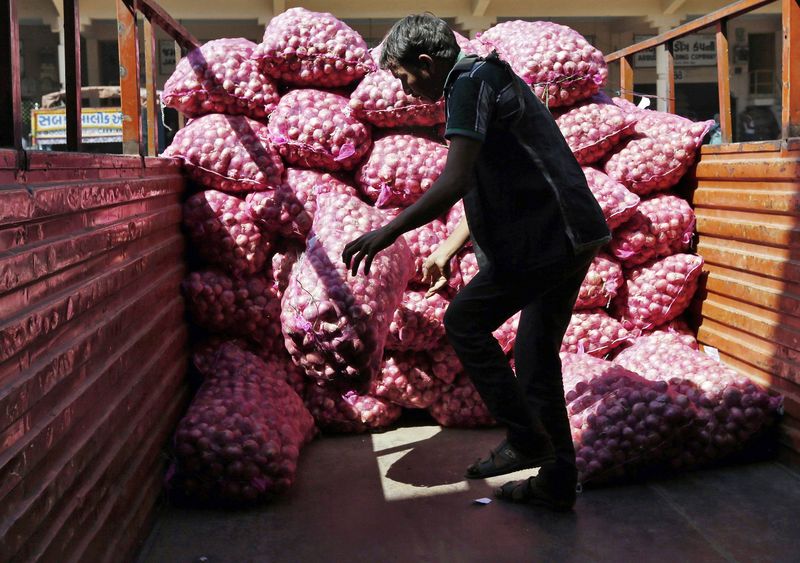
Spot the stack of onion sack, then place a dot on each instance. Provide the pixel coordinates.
(731, 409)
(621, 422)
(284, 184)
(240, 440)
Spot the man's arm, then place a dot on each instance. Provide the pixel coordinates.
(450, 187)
(452, 184)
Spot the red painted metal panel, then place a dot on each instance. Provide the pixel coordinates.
(90, 387)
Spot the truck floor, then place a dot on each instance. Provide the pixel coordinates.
(400, 496)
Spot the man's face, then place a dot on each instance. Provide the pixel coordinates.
(424, 81)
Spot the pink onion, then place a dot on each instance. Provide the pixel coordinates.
(314, 129)
(220, 77)
(228, 153)
(305, 48)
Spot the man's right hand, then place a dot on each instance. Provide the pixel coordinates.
(436, 270)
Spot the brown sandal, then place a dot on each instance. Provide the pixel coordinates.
(526, 491)
(505, 458)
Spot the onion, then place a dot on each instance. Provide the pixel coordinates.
(305, 48)
(461, 406)
(228, 153)
(313, 129)
(221, 77)
(335, 324)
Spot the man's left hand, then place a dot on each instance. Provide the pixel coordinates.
(365, 248)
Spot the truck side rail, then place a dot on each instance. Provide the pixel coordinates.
(133, 141)
(790, 13)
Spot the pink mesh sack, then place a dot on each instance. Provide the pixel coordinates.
(312, 129)
(221, 77)
(228, 153)
(305, 48)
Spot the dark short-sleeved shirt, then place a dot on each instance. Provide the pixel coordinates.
(530, 205)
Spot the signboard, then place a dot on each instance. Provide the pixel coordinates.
(166, 56)
(692, 50)
(98, 125)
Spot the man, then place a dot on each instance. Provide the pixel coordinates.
(536, 227)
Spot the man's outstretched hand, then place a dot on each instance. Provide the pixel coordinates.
(365, 248)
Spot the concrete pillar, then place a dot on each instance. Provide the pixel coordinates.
(662, 25)
(473, 25)
(92, 62)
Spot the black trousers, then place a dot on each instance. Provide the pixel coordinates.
(530, 405)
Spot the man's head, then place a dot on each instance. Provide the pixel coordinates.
(420, 50)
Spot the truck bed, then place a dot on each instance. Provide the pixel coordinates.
(400, 496)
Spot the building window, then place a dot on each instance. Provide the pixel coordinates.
(761, 47)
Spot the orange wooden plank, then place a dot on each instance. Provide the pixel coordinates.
(778, 263)
(776, 295)
(724, 81)
(733, 149)
(128, 44)
(774, 230)
(767, 356)
(789, 389)
(755, 198)
(749, 167)
(790, 106)
(150, 87)
(34, 514)
(626, 78)
(763, 323)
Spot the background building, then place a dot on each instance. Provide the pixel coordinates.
(755, 42)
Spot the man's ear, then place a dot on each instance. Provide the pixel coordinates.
(426, 63)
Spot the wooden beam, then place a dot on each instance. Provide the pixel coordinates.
(159, 17)
(671, 6)
(668, 47)
(72, 67)
(626, 78)
(733, 10)
(479, 7)
(178, 55)
(150, 87)
(128, 43)
(724, 82)
(10, 94)
(790, 112)
(278, 7)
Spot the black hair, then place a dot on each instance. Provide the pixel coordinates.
(415, 35)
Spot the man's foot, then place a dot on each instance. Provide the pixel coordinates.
(505, 458)
(528, 491)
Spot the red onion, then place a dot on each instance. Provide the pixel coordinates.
(336, 324)
(559, 64)
(418, 323)
(380, 100)
(220, 77)
(730, 407)
(601, 283)
(228, 153)
(288, 210)
(336, 410)
(247, 307)
(444, 362)
(406, 380)
(461, 406)
(593, 332)
(222, 232)
(305, 48)
(594, 127)
(314, 129)
(240, 440)
(422, 242)
(617, 202)
(400, 169)
(662, 225)
(657, 292)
